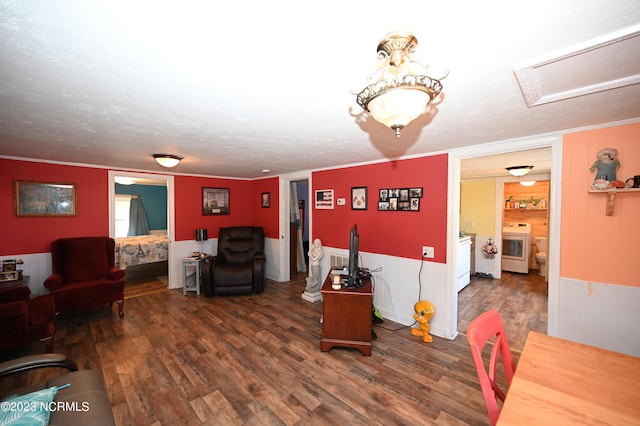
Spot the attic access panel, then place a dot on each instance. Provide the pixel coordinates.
(600, 64)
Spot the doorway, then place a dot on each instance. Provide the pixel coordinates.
(303, 181)
(151, 180)
(479, 157)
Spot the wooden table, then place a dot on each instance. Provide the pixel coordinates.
(562, 382)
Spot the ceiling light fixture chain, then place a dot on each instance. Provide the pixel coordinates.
(399, 89)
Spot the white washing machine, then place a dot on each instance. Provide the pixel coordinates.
(516, 247)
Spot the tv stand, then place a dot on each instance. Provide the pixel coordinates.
(347, 317)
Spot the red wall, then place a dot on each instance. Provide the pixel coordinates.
(396, 233)
(188, 202)
(26, 235)
(266, 216)
(23, 235)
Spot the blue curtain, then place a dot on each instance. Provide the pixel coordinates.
(138, 224)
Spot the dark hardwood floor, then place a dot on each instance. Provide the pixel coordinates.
(521, 300)
(178, 360)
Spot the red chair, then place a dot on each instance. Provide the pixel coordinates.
(24, 320)
(84, 274)
(481, 330)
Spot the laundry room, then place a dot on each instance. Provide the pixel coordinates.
(526, 211)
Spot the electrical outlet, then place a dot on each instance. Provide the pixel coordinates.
(427, 252)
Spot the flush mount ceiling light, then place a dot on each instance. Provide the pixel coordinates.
(519, 170)
(167, 160)
(124, 180)
(528, 182)
(399, 90)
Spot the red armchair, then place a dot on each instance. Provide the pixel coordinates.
(84, 274)
(24, 320)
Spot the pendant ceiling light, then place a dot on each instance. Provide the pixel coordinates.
(519, 170)
(399, 90)
(167, 160)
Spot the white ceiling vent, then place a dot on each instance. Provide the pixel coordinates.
(600, 64)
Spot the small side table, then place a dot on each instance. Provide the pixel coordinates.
(191, 281)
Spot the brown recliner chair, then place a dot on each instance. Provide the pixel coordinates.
(24, 320)
(239, 266)
(84, 274)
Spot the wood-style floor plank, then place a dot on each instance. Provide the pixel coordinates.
(256, 359)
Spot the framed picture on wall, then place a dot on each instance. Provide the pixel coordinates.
(359, 198)
(215, 201)
(324, 199)
(266, 199)
(44, 198)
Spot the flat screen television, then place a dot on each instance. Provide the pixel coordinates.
(354, 279)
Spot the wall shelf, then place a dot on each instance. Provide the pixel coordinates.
(611, 196)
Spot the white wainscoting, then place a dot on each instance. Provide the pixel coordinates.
(397, 286)
(602, 315)
(272, 252)
(37, 266)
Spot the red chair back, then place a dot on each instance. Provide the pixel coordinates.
(482, 330)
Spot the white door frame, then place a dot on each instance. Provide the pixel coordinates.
(453, 225)
(169, 181)
(284, 208)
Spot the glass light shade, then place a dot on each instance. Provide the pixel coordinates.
(124, 180)
(399, 89)
(519, 170)
(167, 160)
(528, 183)
(396, 108)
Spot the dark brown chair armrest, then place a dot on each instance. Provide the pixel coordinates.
(32, 362)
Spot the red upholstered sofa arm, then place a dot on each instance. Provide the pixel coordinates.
(13, 316)
(115, 274)
(54, 282)
(42, 310)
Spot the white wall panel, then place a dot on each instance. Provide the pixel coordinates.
(602, 315)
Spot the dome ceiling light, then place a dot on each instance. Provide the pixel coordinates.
(519, 170)
(167, 160)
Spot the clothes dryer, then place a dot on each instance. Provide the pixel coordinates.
(516, 247)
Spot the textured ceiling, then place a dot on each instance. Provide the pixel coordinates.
(247, 86)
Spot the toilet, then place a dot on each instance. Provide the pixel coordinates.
(541, 255)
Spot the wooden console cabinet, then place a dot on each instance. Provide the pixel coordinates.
(346, 317)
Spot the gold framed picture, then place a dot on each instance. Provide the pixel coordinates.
(44, 198)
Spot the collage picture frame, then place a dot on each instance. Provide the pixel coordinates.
(400, 199)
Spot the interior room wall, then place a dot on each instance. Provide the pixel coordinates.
(154, 200)
(595, 246)
(395, 233)
(478, 215)
(34, 234)
(599, 290)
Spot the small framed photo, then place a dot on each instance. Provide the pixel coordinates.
(384, 194)
(383, 205)
(404, 194)
(215, 201)
(415, 192)
(393, 203)
(359, 198)
(266, 199)
(44, 199)
(414, 204)
(324, 199)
